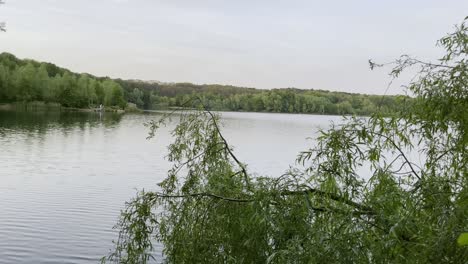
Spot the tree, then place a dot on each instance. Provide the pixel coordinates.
(113, 94)
(4, 82)
(136, 97)
(29, 80)
(67, 89)
(88, 90)
(43, 83)
(211, 209)
(25, 83)
(118, 96)
(91, 92)
(98, 87)
(82, 89)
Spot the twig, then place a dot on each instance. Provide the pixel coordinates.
(410, 164)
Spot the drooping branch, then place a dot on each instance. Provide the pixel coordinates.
(406, 61)
(154, 125)
(332, 196)
(244, 170)
(362, 208)
(400, 151)
(203, 194)
(410, 164)
(185, 163)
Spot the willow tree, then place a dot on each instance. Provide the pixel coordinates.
(211, 209)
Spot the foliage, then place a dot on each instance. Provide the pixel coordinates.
(231, 98)
(27, 80)
(463, 239)
(211, 209)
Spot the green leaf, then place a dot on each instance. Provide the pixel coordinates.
(463, 239)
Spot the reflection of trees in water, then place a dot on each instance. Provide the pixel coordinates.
(36, 123)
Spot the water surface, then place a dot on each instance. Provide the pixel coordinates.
(65, 176)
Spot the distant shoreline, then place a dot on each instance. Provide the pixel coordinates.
(39, 105)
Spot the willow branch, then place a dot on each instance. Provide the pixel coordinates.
(183, 164)
(362, 208)
(244, 171)
(204, 194)
(410, 164)
(332, 196)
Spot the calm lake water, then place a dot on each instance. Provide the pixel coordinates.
(65, 176)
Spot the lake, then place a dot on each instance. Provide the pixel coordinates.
(65, 176)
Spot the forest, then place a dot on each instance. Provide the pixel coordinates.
(286, 100)
(28, 80)
(23, 80)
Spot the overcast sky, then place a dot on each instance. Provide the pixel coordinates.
(255, 43)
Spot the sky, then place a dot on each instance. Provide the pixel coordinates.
(252, 43)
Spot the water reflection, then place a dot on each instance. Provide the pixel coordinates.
(64, 177)
(36, 123)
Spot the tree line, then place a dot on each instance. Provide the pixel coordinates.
(29, 80)
(230, 98)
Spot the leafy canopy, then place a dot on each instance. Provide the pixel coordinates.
(211, 209)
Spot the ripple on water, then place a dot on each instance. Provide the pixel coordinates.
(65, 177)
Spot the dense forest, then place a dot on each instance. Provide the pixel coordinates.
(28, 80)
(231, 98)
